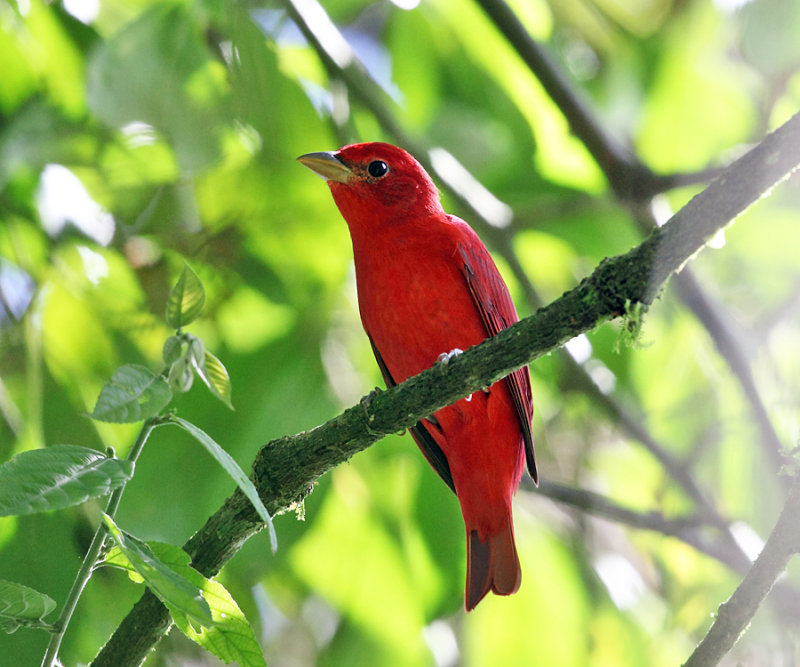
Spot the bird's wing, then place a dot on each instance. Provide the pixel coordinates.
(432, 452)
(497, 312)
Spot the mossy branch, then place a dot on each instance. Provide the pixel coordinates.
(285, 469)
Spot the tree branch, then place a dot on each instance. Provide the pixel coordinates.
(730, 347)
(628, 176)
(286, 468)
(735, 615)
(689, 529)
(602, 507)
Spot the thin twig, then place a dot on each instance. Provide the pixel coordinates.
(603, 507)
(730, 347)
(92, 554)
(689, 529)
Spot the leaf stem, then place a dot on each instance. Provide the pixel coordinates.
(93, 553)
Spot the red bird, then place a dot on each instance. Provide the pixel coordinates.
(427, 287)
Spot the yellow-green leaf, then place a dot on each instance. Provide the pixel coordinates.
(231, 638)
(186, 299)
(171, 588)
(215, 375)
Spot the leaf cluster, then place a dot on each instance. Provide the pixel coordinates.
(60, 476)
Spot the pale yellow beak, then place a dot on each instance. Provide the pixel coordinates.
(327, 165)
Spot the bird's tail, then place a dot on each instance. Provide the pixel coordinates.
(491, 565)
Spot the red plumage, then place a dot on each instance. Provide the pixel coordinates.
(426, 286)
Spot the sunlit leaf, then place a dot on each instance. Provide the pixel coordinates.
(186, 299)
(22, 606)
(196, 351)
(236, 473)
(56, 477)
(116, 558)
(133, 393)
(215, 375)
(170, 587)
(231, 638)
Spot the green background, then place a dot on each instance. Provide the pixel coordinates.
(157, 131)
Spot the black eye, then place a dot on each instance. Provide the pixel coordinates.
(377, 168)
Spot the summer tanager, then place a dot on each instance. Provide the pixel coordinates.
(428, 288)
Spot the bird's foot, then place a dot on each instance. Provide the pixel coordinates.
(445, 357)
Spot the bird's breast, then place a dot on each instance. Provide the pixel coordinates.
(415, 304)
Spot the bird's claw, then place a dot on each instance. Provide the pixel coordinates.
(366, 400)
(445, 357)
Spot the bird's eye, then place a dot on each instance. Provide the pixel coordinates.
(378, 168)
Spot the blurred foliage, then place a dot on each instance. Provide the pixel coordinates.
(135, 133)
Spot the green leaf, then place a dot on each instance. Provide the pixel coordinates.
(215, 375)
(115, 558)
(233, 469)
(134, 393)
(170, 587)
(231, 638)
(56, 477)
(196, 351)
(171, 351)
(22, 606)
(185, 300)
(180, 376)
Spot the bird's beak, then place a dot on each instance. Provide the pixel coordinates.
(327, 165)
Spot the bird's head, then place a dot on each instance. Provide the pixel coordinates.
(375, 182)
